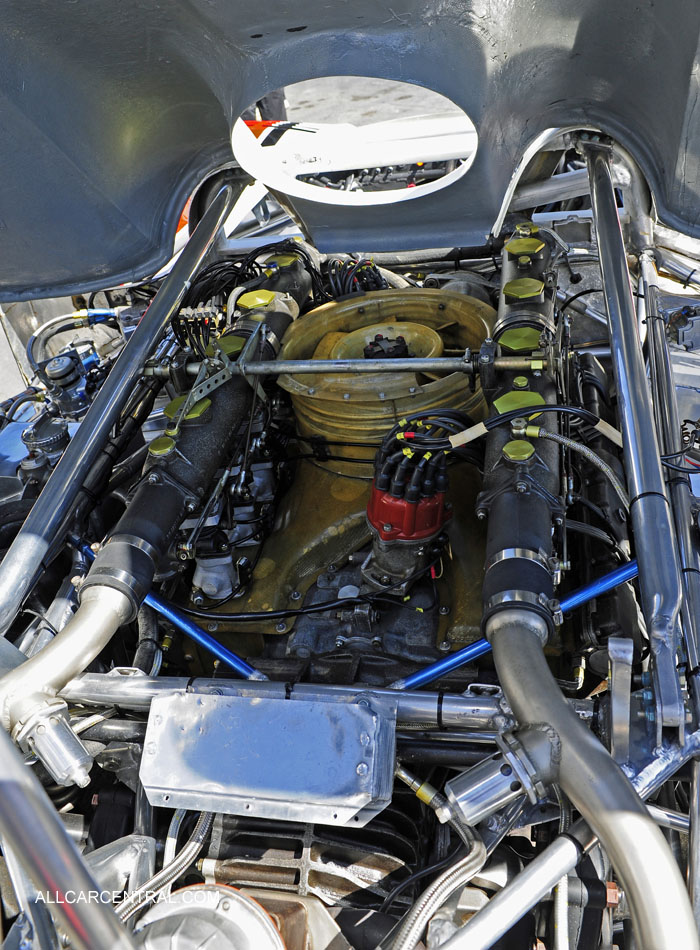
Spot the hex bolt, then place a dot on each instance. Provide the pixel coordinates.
(362, 768)
(445, 646)
(480, 514)
(521, 487)
(339, 641)
(212, 627)
(386, 527)
(444, 610)
(346, 395)
(281, 627)
(197, 599)
(296, 595)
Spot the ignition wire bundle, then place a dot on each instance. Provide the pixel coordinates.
(353, 276)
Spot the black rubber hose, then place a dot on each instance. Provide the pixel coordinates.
(148, 644)
(130, 558)
(140, 407)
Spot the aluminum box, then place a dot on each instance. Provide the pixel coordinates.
(295, 760)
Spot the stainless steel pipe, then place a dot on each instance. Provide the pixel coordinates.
(539, 877)
(694, 842)
(557, 188)
(596, 786)
(128, 691)
(670, 438)
(438, 364)
(652, 522)
(529, 887)
(23, 560)
(36, 834)
(101, 612)
(677, 267)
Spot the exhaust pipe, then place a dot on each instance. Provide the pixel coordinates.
(596, 785)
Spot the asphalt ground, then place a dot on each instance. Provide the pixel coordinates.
(361, 100)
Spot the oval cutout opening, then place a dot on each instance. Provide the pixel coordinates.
(352, 140)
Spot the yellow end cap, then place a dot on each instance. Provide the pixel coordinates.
(519, 339)
(194, 412)
(523, 288)
(525, 245)
(255, 300)
(518, 450)
(161, 446)
(517, 399)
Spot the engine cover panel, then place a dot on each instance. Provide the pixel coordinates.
(262, 757)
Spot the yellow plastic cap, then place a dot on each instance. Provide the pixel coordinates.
(255, 300)
(523, 288)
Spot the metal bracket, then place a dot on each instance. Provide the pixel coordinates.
(621, 653)
(205, 384)
(249, 350)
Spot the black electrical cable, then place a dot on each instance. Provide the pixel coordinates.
(263, 615)
(418, 875)
(327, 458)
(580, 527)
(505, 417)
(418, 441)
(681, 468)
(581, 293)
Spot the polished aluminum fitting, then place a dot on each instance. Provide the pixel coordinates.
(48, 735)
(494, 783)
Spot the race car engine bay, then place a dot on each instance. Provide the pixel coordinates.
(349, 600)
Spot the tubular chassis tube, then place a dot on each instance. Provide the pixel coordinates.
(24, 558)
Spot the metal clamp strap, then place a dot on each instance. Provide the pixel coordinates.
(508, 554)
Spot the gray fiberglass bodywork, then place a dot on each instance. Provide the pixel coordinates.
(112, 113)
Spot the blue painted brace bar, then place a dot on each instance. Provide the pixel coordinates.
(472, 652)
(187, 626)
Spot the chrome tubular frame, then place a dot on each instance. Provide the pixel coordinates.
(652, 522)
(36, 538)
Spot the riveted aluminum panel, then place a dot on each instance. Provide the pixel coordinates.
(324, 762)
